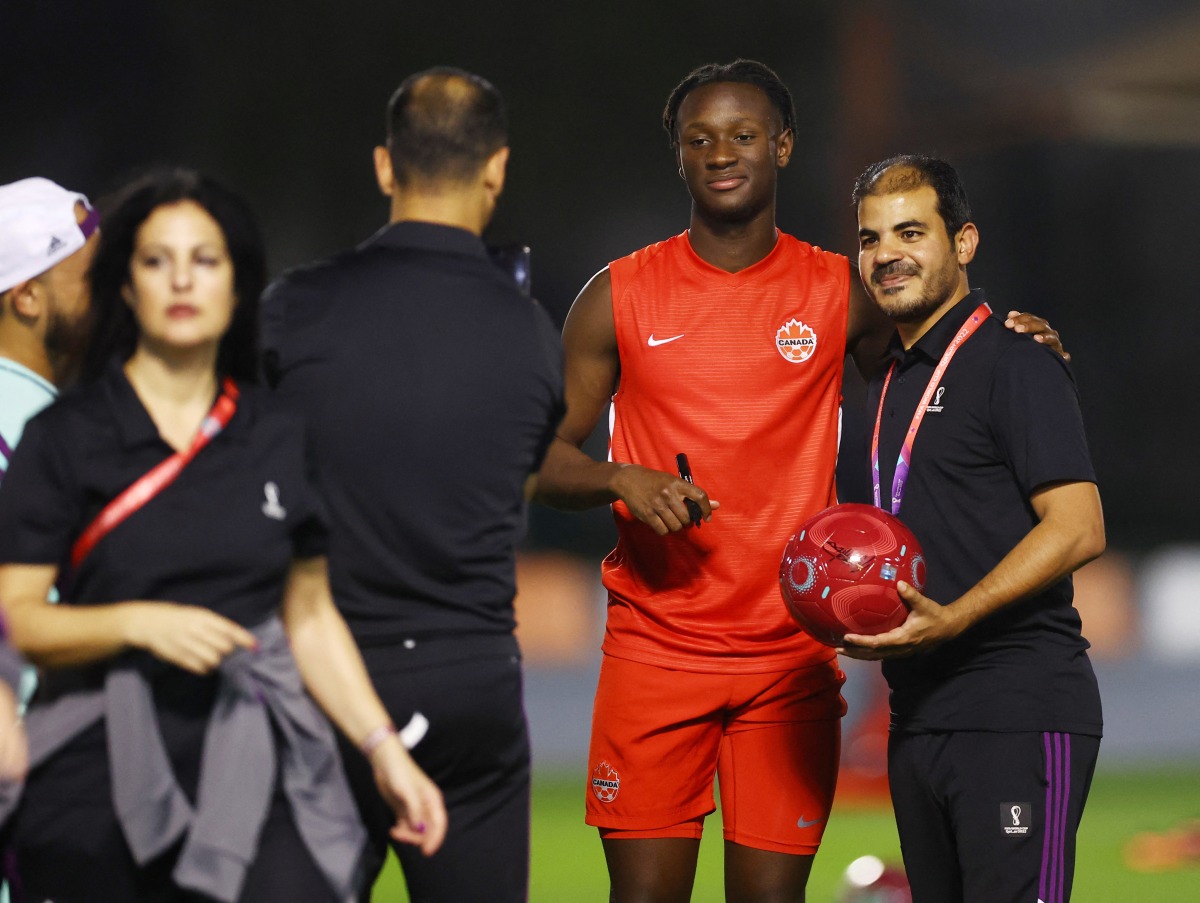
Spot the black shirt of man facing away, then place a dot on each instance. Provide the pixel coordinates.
(431, 386)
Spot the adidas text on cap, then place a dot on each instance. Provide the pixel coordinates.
(39, 228)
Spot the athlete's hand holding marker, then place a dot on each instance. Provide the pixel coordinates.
(663, 501)
(685, 473)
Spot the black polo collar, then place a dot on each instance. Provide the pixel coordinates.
(422, 236)
(134, 424)
(937, 338)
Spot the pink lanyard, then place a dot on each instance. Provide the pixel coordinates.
(903, 461)
(151, 483)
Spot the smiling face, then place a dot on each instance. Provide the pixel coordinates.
(180, 279)
(909, 264)
(731, 146)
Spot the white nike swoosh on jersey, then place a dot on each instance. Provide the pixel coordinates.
(654, 343)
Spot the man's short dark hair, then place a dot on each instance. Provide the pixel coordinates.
(442, 126)
(905, 172)
(747, 72)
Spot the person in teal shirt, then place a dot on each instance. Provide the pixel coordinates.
(47, 238)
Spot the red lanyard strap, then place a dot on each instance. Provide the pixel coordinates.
(900, 477)
(151, 483)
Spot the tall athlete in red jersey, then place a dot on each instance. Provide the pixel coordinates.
(725, 343)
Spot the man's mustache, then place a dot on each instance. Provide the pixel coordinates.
(896, 268)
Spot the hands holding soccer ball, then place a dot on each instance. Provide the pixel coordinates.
(928, 624)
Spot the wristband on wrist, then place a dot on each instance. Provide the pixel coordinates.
(375, 739)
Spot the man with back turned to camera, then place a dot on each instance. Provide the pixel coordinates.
(432, 387)
(979, 448)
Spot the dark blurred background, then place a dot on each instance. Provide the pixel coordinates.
(1075, 124)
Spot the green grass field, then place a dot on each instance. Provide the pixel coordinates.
(568, 866)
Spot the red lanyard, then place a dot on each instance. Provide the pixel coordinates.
(903, 462)
(151, 483)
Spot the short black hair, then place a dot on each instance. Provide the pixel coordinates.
(114, 330)
(913, 171)
(748, 72)
(443, 124)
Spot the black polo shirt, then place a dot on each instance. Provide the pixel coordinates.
(222, 535)
(431, 387)
(1004, 421)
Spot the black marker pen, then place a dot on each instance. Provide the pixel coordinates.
(685, 473)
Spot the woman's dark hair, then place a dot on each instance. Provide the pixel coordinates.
(114, 329)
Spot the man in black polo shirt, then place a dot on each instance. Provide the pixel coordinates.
(432, 387)
(979, 448)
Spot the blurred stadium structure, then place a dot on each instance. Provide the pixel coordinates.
(1147, 663)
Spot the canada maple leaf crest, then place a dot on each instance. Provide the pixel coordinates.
(796, 341)
(606, 783)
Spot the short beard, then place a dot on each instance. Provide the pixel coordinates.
(937, 290)
(916, 310)
(66, 341)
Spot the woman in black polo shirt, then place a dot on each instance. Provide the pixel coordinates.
(176, 755)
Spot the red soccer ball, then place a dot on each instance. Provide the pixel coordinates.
(839, 571)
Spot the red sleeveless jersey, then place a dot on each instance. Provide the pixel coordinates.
(742, 372)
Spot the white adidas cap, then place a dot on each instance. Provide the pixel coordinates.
(38, 228)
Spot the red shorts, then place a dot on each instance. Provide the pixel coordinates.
(660, 735)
